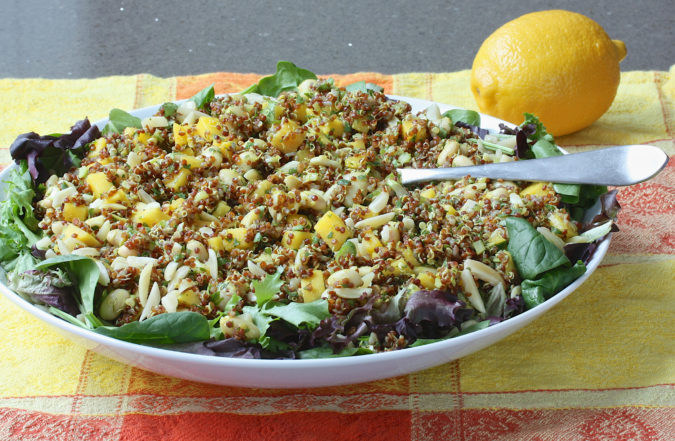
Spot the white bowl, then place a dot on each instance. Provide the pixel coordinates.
(299, 373)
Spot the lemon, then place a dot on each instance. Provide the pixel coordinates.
(558, 65)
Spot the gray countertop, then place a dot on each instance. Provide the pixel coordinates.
(81, 39)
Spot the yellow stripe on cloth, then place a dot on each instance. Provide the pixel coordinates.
(52, 106)
(45, 364)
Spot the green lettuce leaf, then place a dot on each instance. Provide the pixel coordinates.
(288, 77)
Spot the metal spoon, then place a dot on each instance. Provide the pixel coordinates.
(619, 166)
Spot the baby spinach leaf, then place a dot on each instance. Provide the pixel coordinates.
(531, 251)
(466, 116)
(169, 109)
(167, 328)
(533, 296)
(362, 86)
(204, 97)
(83, 269)
(554, 280)
(266, 289)
(298, 313)
(118, 120)
(288, 77)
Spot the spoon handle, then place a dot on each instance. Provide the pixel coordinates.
(618, 166)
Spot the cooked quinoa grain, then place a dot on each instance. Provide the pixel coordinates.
(187, 215)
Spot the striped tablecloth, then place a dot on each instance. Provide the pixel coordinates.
(599, 366)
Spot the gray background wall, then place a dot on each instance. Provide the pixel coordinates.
(79, 38)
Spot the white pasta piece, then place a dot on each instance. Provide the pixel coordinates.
(113, 304)
(182, 272)
(212, 264)
(450, 148)
(144, 284)
(59, 196)
(367, 278)
(433, 113)
(255, 269)
(44, 243)
(51, 182)
(289, 167)
(313, 199)
(379, 202)
(461, 161)
(254, 98)
(496, 194)
(102, 232)
(133, 159)
(119, 263)
(141, 261)
(96, 221)
(170, 270)
(154, 121)
(103, 276)
(375, 222)
(292, 182)
(390, 233)
(49, 254)
(170, 301)
(145, 197)
(516, 291)
(252, 175)
(555, 240)
(87, 251)
(468, 207)
(351, 293)
(516, 200)
(115, 237)
(329, 194)
(484, 272)
(152, 301)
(349, 277)
(471, 290)
(64, 249)
(57, 227)
(124, 251)
(197, 249)
(324, 161)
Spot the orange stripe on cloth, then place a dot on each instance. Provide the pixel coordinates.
(144, 382)
(324, 426)
(227, 82)
(646, 216)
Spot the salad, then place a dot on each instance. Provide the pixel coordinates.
(272, 223)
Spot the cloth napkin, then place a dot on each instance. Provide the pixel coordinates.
(601, 365)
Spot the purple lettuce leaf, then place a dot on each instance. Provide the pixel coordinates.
(53, 154)
(50, 288)
(435, 312)
(609, 210)
(479, 131)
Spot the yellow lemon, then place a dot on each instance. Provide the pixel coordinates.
(559, 65)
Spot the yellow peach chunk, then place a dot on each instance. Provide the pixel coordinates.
(332, 229)
(98, 183)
